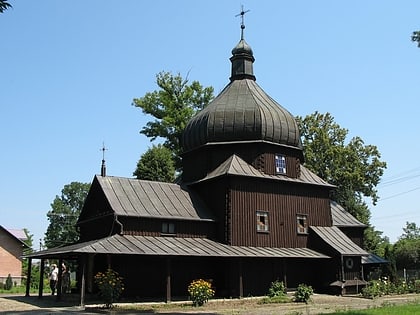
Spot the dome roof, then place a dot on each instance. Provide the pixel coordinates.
(242, 112)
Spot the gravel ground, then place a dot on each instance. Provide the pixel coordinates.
(18, 304)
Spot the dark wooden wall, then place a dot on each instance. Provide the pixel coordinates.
(260, 155)
(153, 227)
(283, 202)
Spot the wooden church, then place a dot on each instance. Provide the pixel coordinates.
(245, 212)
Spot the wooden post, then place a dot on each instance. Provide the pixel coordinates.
(168, 280)
(83, 280)
(241, 284)
(41, 279)
(28, 279)
(285, 272)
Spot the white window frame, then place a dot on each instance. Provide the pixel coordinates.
(302, 228)
(280, 161)
(262, 221)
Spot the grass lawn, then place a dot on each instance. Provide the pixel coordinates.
(408, 309)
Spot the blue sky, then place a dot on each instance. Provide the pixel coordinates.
(70, 69)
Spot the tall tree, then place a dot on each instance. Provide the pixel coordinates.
(156, 164)
(407, 249)
(416, 37)
(64, 214)
(355, 168)
(172, 106)
(4, 5)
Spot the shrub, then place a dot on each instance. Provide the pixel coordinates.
(415, 286)
(373, 289)
(9, 283)
(200, 292)
(277, 288)
(110, 286)
(303, 293)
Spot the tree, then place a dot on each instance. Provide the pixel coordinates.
(4, 5)
(407, 248)
(156, 164)
(172, 106)
(375, 243)
(416, 37)
(64, 214)
(355, 168)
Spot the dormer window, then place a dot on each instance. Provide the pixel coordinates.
(280, 164)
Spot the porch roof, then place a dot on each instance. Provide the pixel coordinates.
(172, 246)
(340, 242)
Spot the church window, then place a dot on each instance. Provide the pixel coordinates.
(262, 221)
(302, 224)
(280, 164)
(168, 228)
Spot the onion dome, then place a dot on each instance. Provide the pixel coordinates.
(242, 112)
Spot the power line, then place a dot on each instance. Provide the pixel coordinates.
(399, 194)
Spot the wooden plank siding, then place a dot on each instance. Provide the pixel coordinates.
(283, 202)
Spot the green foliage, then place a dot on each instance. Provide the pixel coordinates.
(407, 249)
(415, 37)
(200, 292)
(172, 106)
(274, 299)
(355, 168)
(277, 288)
(156, 164)
(374, 242)
(110, 286)
(4, 5)
(64, 214)
(383, 286)
(303, 293)
(9, 282)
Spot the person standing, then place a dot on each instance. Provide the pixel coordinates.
(53, 278)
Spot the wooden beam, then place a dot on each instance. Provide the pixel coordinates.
(28, 279)
(83, 261)
(168, 280)
(285, 272)
(241, 283)
(41, 279)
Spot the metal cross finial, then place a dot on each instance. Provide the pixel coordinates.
(241, 14)
(103, 151)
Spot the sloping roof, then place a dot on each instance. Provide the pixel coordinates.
(373, 259)
(15, 235)
(18, 233)
(335, 238)
(172, 246)
(342, 218)
(234, 165)
(142, 198)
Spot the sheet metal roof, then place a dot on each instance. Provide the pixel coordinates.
(173, 246)
(342, 218)
(334, 237)
(373, 259)
(234, 165)
(142, 198)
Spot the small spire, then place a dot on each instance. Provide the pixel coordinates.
(241, 14)
(103, 167)
(242, 56)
